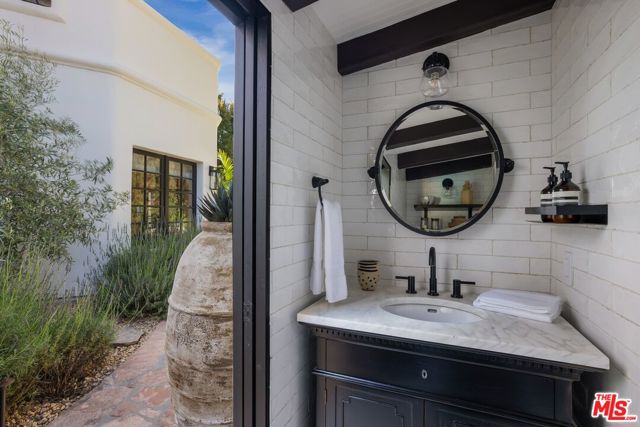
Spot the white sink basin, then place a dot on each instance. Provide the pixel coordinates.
(432, 313)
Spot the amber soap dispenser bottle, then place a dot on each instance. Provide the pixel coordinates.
(566, 193)
(546, 195)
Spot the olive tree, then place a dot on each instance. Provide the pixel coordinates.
(48, 197)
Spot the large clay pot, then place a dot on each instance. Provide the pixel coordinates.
(199, 341)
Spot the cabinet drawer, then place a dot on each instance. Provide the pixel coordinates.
(447, 416)
(498, 388)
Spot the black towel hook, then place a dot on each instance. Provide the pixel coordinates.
(318, 182)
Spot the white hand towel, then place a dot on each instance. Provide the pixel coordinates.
(335, 279)
(549, 318)
(528, 305)
(327, 269)
(534, 302)
(317, 267)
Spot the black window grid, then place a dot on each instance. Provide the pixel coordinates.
(186, 214)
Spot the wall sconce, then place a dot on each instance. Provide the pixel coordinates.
(214, 177)
(435, 81)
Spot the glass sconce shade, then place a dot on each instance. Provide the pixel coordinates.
(435, 81)
(214, 177)
(434, 85)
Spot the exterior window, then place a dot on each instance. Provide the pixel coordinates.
(46, 3)
(162, 193)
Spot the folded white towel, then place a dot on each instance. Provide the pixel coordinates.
(529, 305)
(549, 318)
(327, 270)
(534, 302)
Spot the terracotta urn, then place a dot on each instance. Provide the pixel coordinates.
(199, 342)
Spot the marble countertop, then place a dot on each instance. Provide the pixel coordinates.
(363, 312)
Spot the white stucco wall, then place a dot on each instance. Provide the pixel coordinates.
(129, 78)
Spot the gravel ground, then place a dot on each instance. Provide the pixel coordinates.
(41, 412)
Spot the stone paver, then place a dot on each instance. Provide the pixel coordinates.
(127, 335)
(136, 394)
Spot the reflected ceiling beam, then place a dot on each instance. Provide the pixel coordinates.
(448, 168)
(445, 153)
(433, 131)
(294, 5)
(448, 23)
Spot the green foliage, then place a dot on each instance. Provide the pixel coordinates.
(48, 198)
(226, 164)
(47, 344)
(217, 206)
(137, 276)
(225, 128)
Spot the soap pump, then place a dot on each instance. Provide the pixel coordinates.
(546, 195)
(566, 193)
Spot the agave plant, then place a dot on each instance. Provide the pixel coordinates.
(217, 206)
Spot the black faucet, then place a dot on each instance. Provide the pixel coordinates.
(411, 283)
(457, 292)
(433, 281)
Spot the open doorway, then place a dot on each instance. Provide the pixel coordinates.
(157, 173)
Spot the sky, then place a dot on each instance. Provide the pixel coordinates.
(203, 22)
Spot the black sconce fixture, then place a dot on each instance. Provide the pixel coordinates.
(214, 177)
(435, 81)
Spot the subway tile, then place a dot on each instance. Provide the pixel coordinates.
(522, 249)
(465, 247)
(396, 244)
(493, 41)
(355, 80)
(473, 61)
(497, 232)
(540, 266)
(540, 33)
(532, 116)
(494, 73)
(541, 99)
(521, 282)
(521, 85)
(541, 66)
(493, 263)
(520, 53)
(368, 92)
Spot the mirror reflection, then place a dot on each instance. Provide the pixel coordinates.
(439, 168)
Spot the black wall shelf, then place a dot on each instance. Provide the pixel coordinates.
(427, 208)
(589, 214)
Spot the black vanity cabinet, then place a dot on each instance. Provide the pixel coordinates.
(366, 380)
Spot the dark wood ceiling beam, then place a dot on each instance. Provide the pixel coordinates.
(445, 153)
(448, 168)
(294, 5)
(433, 131)
(448, 23)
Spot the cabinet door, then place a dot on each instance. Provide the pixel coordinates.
(448, 416)
(354, 406)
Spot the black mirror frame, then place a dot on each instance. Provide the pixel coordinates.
(504, 165)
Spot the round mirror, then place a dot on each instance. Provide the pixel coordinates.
(439, 168)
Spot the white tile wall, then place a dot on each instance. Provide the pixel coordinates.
(505, 74)
(306, 139)
(596, 126)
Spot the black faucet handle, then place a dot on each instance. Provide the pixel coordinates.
(457, 288)
(411, 283)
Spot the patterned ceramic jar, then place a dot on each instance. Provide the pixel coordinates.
(368, 274)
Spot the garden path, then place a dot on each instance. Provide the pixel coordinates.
(136, 394)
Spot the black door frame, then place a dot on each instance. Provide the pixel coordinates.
(251, 153)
